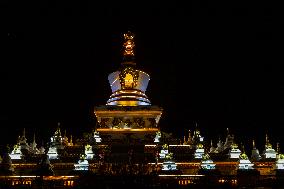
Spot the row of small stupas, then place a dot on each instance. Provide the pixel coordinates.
(62, 148)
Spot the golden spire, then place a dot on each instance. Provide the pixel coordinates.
(189, 136)
(71, 142)
(253, 144)
(34, 138)
(266, 139)
(128, 47)
(277, 147)
(211, 143)
(243, 148)
(24, 132)
(228, 131)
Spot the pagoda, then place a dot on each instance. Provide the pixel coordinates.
(128, 113)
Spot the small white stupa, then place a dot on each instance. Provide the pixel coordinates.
(199, 151)
(82, 165)
(244, 162)
(280, 162)
(234, 152)
(16, 153)
(280, 159)
(89, 152)
(52, 153)
(269, 152)
(157, 137)
(164, 151)
(97, 137)
(206, 162)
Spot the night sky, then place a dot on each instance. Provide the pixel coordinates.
(214, 66)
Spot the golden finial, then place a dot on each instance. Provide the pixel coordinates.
(278, 147)
(128, 45)
(243, 148)
(189, 136)
(58, 129)
(71, 142)
(266, 138)
(211, 143)
(24, 132)
(253, 143)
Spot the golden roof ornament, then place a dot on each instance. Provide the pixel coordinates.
(165, 147)
(199, 146)
(234, 146)
(205, 157)
(267, 145)
(128, 47)
(243, 154)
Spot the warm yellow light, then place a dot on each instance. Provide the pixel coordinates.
(181, 175)
(128, 80)
(123, 130)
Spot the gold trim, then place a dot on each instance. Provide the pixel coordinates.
(128, 130)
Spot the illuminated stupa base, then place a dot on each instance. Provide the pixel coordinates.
(52, 153)
(207, 164)
(128, 119)
(128, 97)
(269, 153)
(245, 164)
(82, 165)
(89, 152)
(235, 153)
(16, 153)
(169, 166)
(280, 162)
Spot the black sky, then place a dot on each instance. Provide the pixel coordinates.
(217, 66)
